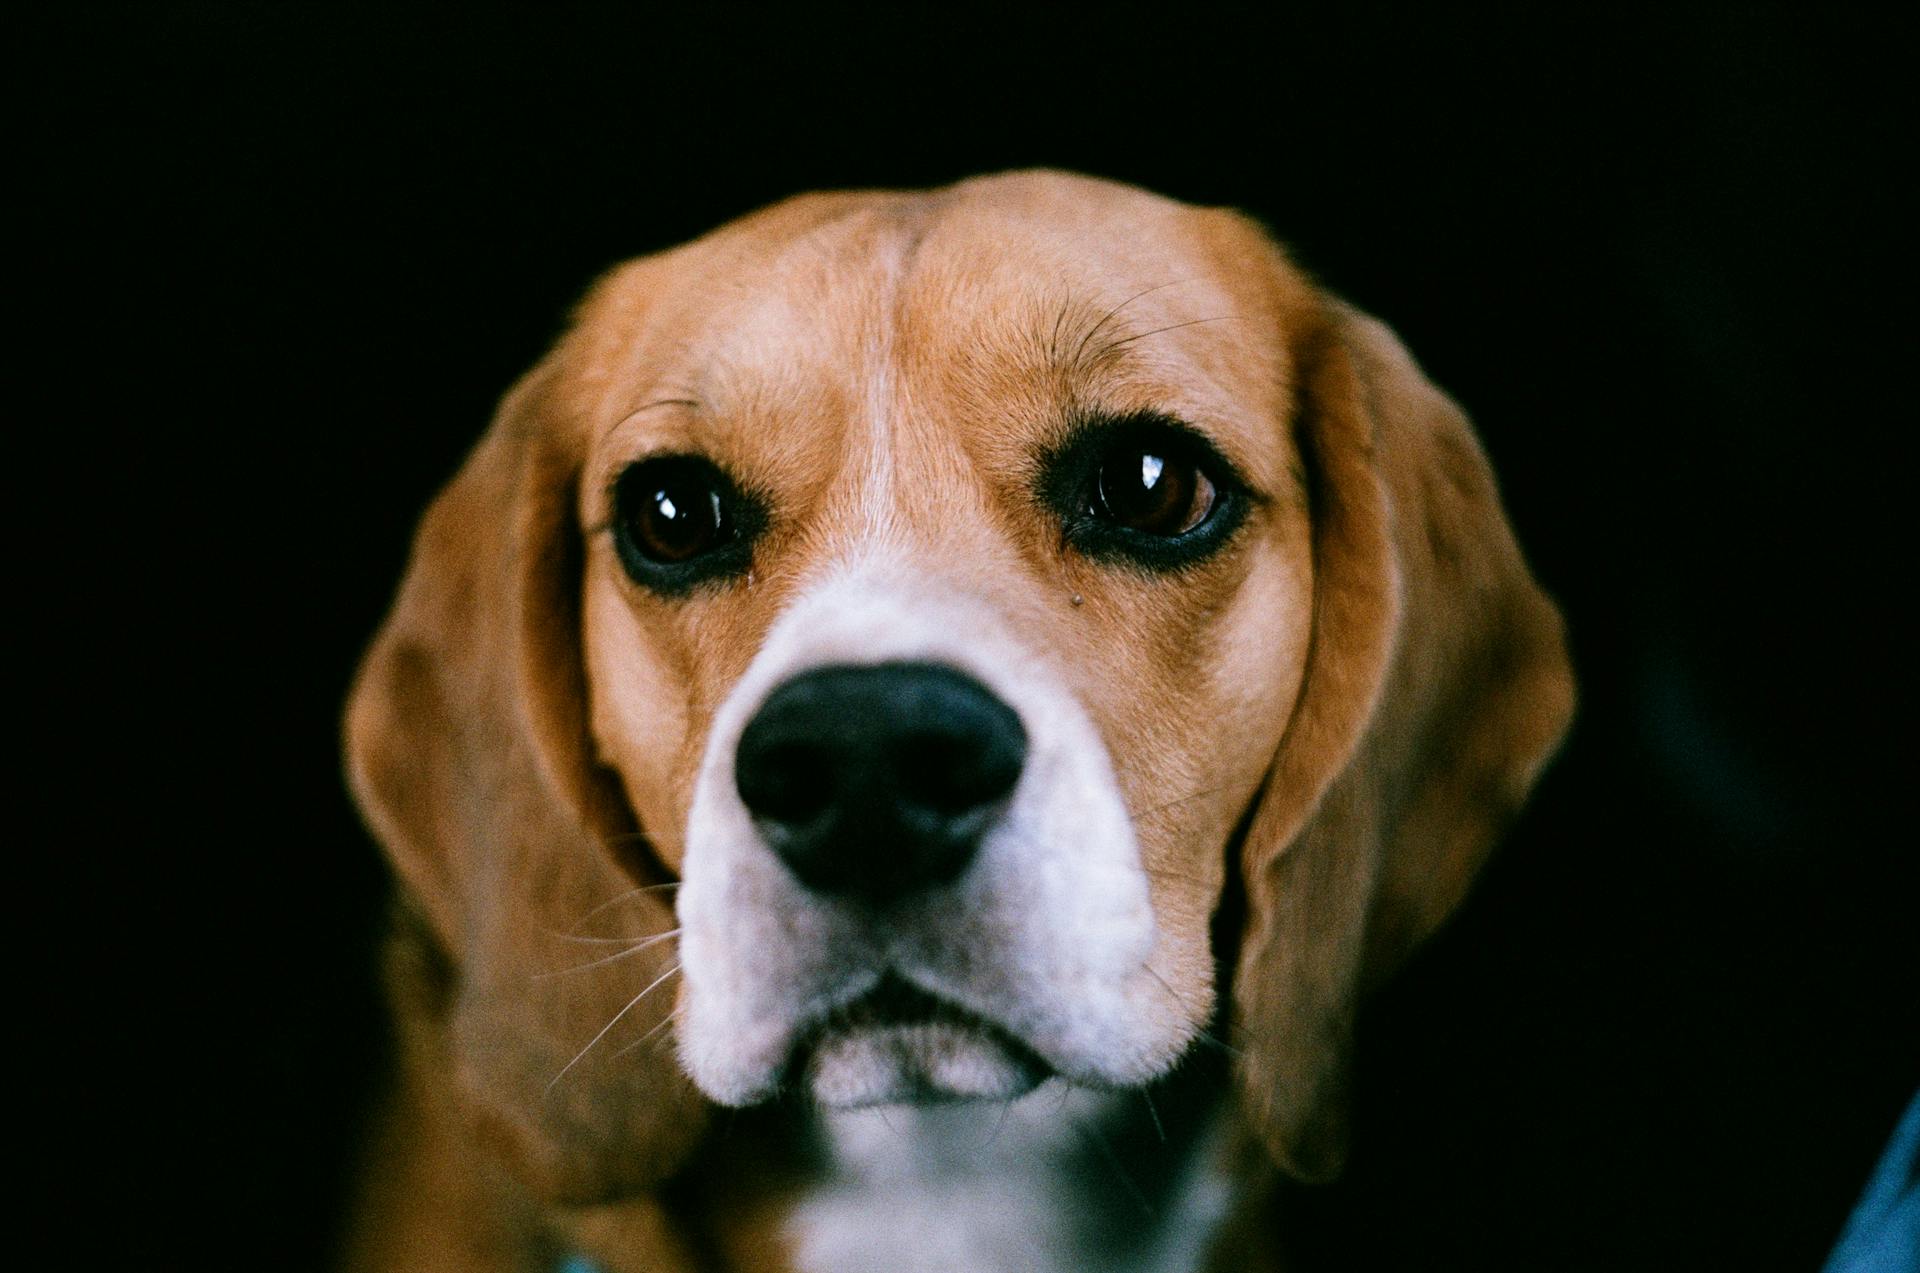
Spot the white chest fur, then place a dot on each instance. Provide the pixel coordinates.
(1063, 1180)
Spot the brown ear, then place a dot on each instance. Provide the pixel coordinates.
(468, 752)
(1436, 688)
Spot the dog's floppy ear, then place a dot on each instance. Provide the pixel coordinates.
(1436, 688)
(468, 753)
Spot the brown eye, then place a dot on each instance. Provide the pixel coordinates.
(678, 520)
(679, 517)
(1147, 490)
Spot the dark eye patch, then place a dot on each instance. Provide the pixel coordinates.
(1142, 490)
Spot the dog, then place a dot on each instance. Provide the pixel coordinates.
(908, 738)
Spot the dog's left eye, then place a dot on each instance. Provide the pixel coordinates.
(1150, 490)
(1143, 490)
(679, 521)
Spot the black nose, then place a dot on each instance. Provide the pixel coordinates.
(876, 781)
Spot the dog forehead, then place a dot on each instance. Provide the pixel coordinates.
(821, 271)
(988, 308)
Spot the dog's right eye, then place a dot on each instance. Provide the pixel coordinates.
(678, 521)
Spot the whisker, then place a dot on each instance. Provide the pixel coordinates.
(1053, 342)
(1218, 1044)
(1109, 315)
(1177, 801)
(1191, 322)
(594, 939)
(1175, 995)
(652, 986)
(660, 1025)
(629, 895)
(634, 949)
(1161, 1131)
(1006, 1111)
(1199, 1035)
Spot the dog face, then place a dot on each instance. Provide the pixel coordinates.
(917, 423)
(954, 594)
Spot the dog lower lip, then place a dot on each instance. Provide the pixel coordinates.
(912, 1046)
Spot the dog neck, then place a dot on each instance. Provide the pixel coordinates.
(1064, 1178)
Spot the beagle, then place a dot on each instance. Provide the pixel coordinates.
(907, 738)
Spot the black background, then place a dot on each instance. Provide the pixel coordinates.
(296, 254)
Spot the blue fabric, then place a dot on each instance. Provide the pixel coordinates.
(1883, 1234)
(577, 1264)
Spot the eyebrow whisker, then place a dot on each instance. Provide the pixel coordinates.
(1053, 341)
(1128, 340)
(1109, 315)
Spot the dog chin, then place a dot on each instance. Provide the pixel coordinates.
(919, 1063)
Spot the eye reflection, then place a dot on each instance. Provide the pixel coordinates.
(1145, 490)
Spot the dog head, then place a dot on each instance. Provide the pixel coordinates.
(954, 595)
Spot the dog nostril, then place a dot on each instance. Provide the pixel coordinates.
(878, 780)
(786, 782)
(955, 773)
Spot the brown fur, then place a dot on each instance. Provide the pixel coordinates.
(1367, 674)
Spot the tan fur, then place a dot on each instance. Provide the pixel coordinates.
(1366, 674)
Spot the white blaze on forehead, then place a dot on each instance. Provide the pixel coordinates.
(1049, 931)
(876, 487)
